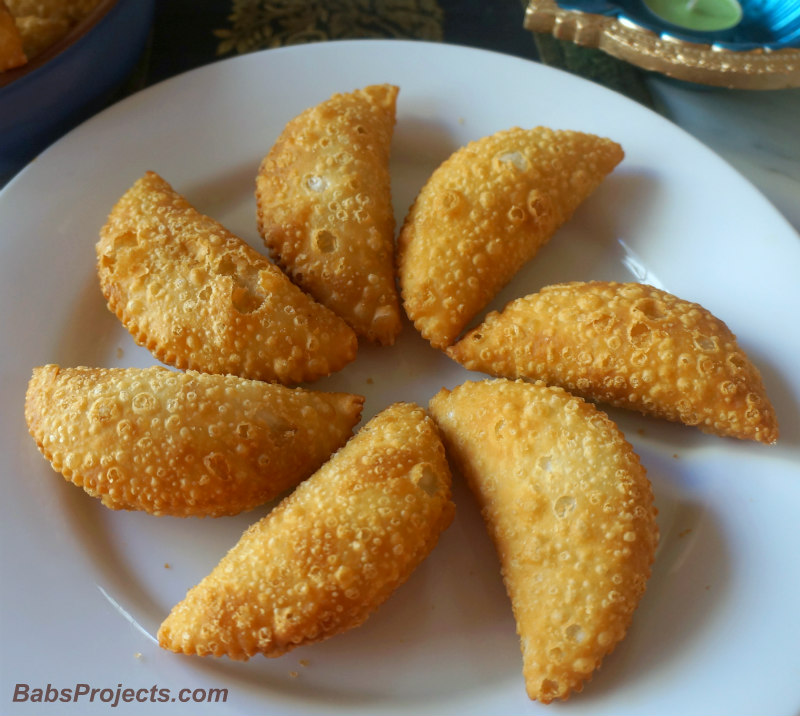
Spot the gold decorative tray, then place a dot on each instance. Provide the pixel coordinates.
(709, 63)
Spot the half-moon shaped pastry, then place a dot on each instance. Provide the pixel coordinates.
(12, 53)
(182, 444)
(570, 510)
(629, 345)
(331, 552)
(199, 297)
(325, 208)
(484, 213)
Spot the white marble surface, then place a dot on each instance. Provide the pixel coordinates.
(756, 132)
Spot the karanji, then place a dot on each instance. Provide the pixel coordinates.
(182, 444)
(199, 297)
(570, 510)
(12, 53)
(629, 345)
(331, 552)
(484, 213)
(324, 203)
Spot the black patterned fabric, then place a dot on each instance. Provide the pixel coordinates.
(188, 33)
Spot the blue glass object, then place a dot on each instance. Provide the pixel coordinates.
(765, 24)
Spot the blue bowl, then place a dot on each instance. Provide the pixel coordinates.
(765, 24)
(70, 81)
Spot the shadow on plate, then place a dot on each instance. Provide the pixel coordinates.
(455, 598)
(691, 576)
(421, 140)
(225, 194)
(92, 331)
(598, 243)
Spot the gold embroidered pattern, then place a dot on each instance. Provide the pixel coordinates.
(262, 24)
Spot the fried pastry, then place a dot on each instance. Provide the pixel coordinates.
(570, 510)
(199, 297)
(331, 552)
(70, 10)
(182, 444)
(325, 208)
(42, 23)
(12, 53)
(629, 345)
(484, 213)
(40, 33)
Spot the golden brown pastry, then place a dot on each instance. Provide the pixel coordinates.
(40, 33)
(485, 212)
(199, 297)
(42, 23)
(11, 51)
(331, 552)
(70, 10)
(570, 511)
(629, 345)
(325, 207)
(182, 444)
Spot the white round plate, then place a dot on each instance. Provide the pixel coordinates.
(84, 589)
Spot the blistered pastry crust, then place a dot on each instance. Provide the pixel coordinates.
(484, 213)
(325, 211)
(331, 552)
(182, 444)
(570, 510)
(629, 345)
(199, 297)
